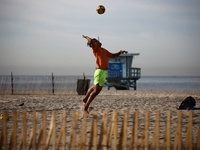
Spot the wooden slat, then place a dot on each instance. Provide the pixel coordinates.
(44, 114)
(25, 117)
(178, 137)
(103, 134)
(24, 130)
(12, 139)
(14, 133)
(91, 137)
(125, 130)
(123, 133)
(74, 125)
(136, 130)
(33, 131)
(155, 141)
(22, 144)
(93, 133)
(82, 140)
(40, 137)
(50, 132)
(54, 131)
(166, 143)
(42, 134)
(105, 126)
(113, 128)
(115, 132)
(134, 134)
(198, 139)
(145, 135)
(64, 131)
(188, 140)
(168, 129)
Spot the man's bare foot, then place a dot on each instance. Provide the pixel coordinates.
(84, 100)
(85, 107)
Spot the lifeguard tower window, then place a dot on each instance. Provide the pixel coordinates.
(115, 70)
(120, 73)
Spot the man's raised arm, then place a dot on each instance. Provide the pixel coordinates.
(90, 43)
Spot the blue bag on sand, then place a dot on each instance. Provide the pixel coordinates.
(191, 108)
(188, 102)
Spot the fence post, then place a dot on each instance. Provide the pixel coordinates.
(52, 83)
(178, 136)
(156, 136)
(54, 130)
(74, 126)
(44, 129)
(15, 119)
(22, 144)
(103, 134)
(145, 134)
(198, 139)
(93, 133)
(12, 82)
(113, 130)
(82, 141)
(134, 134)
(188, 140)
(166, 142)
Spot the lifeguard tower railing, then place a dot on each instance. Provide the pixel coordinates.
(121, 75)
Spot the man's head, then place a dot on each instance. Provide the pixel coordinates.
(94, 42)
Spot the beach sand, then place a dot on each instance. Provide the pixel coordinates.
(107, 100)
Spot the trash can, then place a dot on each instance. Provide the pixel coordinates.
(82, 86)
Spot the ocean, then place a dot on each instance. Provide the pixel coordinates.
(169, 82)
(70, 82)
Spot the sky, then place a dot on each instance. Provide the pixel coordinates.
(41, 37)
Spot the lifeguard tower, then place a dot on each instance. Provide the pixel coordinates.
(120, 74)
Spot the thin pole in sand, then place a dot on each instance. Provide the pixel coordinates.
(52, 83)
(12, 82)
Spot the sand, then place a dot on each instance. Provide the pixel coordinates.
(107, 100)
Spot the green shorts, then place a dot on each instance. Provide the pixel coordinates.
(100, 77)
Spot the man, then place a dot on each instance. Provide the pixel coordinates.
(100, 74)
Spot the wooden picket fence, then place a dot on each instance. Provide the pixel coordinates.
(105, 141)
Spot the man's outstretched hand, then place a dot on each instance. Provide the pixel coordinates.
(84, 36)
(123, 52)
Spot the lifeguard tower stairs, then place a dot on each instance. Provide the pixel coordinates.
(120, 74)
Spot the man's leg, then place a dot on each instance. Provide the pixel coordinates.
(92, 95)
(90, 90)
